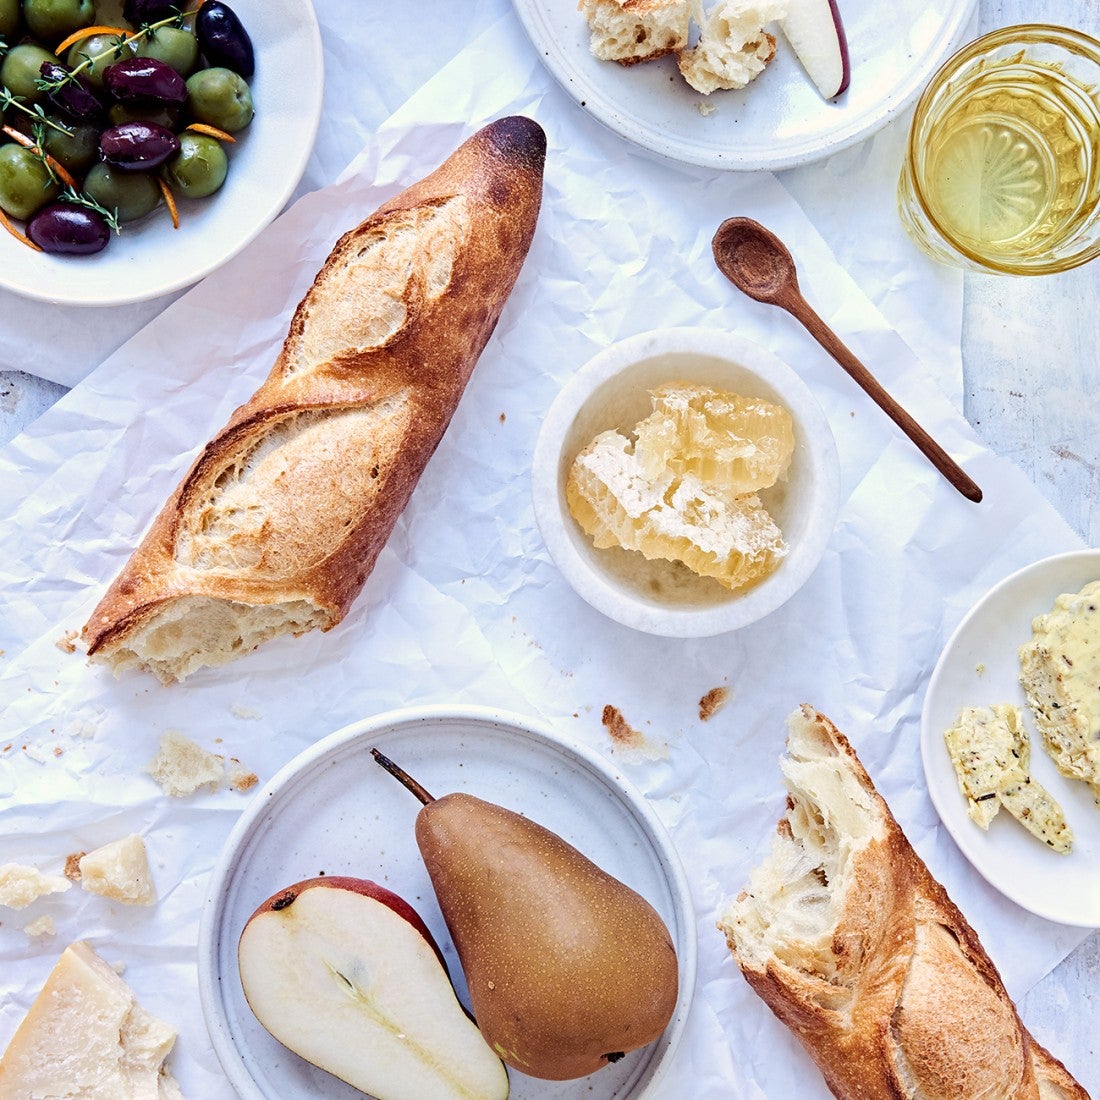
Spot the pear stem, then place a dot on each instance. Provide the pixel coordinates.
(402, 777)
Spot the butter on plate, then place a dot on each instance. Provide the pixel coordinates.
(992, 757)
(1060, 674)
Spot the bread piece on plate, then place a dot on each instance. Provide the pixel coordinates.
(854, 945)
(278, 523)
(629, 31)
(733, 48)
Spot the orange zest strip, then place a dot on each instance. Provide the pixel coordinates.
(6, 223)
(212, 131)
(54, 163)
(87, 32)
(170, 202)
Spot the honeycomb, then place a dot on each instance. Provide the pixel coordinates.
(685, 489)
(743, 444)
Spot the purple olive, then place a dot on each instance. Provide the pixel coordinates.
(223, 40)
(136, 146)
(138, 79)
(72, 230)
(75, 98)
(138, 12)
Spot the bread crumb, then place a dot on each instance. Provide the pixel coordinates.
(239, 777)
(120, 871)
(712, 702)
(20, 885)
(72, 866)
(245, 713)
(34, 753)
(41, 926)
(979, 668)
(182, 767)
(66, 643)
(705, 108)
(625, 736)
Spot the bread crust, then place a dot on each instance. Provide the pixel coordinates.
(490, 189)
(917, 1010)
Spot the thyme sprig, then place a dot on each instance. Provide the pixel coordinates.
(78, 198)
(147, 30)
(36, 111)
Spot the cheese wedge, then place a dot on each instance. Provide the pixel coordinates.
(120, 871)
(87, 1038)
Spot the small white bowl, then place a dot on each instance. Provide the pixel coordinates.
(612, 392)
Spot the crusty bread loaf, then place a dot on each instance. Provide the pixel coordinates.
(854, 945)
(279, 521)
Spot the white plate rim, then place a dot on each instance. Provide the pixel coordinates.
(391, 721)
(931, 742)
(87, 294)
(590, 98)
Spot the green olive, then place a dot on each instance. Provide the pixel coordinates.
(25, 184)
(20, 69)
(172, 45)
(95, 53)
(219, 97)
(130, 194)
(9, 19)
(78, 150)
(51, 20)
(163, 114)
(199, 168)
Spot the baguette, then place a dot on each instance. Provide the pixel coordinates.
(847, 937)
(280, 519)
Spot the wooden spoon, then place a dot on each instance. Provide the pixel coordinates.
(756, 261)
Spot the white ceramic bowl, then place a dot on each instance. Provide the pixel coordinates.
(333, 810)
(150, 258)
(612, 391)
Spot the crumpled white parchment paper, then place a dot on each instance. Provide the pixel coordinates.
(464, 604)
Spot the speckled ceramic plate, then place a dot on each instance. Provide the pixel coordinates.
(979, 666)
(779, 120)
(333, 810)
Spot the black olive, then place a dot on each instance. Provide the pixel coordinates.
(138, 145)
(223, 40)
(137, 79)
(138, 12)
(75, 98)
(65, 228)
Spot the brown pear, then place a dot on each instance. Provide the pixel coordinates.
(568, 968)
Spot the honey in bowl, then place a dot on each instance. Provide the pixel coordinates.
(1002, 171)
(684, 490)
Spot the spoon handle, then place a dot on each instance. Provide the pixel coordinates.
(820, 331)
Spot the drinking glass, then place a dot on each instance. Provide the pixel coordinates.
(1002, 169)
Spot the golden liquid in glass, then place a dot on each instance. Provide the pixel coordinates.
(1011, 166)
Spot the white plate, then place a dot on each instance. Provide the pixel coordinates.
(978, 667)
(334, 810)
(780, 119)
(150, 258)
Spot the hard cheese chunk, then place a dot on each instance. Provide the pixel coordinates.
(87, 1038)
(992, 757)
(20, 885)
(1060, 674)
(119, 870)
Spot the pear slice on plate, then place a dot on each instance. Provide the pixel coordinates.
(816, 34)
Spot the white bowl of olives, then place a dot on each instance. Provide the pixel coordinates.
(143, 144)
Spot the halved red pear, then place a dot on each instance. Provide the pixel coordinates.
(346, 974)
(816, 34)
